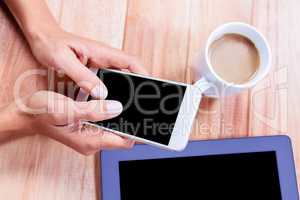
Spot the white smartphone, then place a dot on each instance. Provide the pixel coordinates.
(155, 111)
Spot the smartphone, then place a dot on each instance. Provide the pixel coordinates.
(155, 111)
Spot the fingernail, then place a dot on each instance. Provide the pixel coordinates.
(99, 92)
(130, 143)
(114, 107)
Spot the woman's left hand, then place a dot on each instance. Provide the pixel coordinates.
(71, 54)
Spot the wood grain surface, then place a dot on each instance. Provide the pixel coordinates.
(167, 36)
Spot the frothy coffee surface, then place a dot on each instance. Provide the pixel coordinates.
(234, 58)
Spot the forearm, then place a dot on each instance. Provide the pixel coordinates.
(33, 16)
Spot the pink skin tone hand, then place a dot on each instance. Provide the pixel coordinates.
(65, 52)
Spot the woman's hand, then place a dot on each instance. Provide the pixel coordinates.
(55, 115)
(59, 118)
(71, 54)
(65, 52)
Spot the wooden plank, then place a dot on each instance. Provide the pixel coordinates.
(157, 32)
(268, 105)
(228, 116)
(234, 109)
(274, 105)
(207, 122)
(290, 19)
(42, 168)
(268, 99)
(274, 101)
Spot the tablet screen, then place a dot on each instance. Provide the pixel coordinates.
(230, 176)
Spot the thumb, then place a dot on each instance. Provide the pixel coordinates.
(83, 76)
(60, 110)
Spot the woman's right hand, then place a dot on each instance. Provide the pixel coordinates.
(59, 118)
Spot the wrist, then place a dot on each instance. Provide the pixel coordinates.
(33, 16)
(41, 32)
(13, 120)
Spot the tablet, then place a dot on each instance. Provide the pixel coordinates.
(247, 168)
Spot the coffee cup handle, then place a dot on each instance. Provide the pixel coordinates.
(207, 88)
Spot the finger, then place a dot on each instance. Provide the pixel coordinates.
(62, 129)
(106, 140)
(82, 57)
(125, 70)
(83, 77)
(60, 110)
(91, 140)
(104, 56)
(97, 110)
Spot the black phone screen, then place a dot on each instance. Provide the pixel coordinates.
(245, 176)
(150, 107)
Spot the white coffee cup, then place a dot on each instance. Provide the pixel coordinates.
(218, 86)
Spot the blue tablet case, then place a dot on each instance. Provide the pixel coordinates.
(281, 144)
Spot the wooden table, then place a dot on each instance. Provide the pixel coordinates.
(167, 35)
